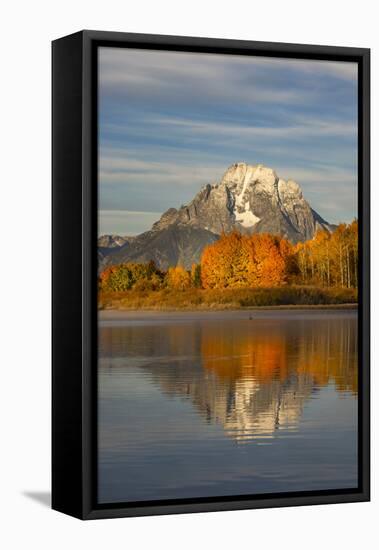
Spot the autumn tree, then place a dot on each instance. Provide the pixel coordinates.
(287, 251)
(123, 277)
(330, 258)
(267, 264)
(247, 261)
(240, 261)
(178, 278)
(320, 248)
(224, 263)
(353, 237)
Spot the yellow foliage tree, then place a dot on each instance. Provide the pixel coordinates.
(178, 278)
(330, 259)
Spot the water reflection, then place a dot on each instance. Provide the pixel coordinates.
(250, 376)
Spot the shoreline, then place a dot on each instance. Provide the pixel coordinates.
(260, 312)
(195, 299)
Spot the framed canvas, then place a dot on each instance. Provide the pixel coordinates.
(210, 275)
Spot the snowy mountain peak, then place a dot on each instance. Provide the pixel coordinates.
(250, 198)
(242, 176)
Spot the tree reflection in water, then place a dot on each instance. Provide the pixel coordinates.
(251, 376)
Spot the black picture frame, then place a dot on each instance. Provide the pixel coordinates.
(74, 315)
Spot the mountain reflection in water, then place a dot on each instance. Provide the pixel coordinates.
(251, 377)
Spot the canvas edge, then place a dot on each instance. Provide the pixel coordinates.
(84, 501)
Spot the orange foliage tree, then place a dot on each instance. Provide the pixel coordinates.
(240, 261)
(224, 263)
(267, 266)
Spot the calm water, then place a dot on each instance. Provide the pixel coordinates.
(212, 404)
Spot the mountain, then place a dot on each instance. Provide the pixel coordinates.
(112, 241)
(249, 198)
(107, 243)
(175, 244)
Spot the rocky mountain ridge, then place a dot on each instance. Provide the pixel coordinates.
(113, 241)
(249, 198)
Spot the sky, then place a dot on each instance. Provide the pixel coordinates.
(170, 122)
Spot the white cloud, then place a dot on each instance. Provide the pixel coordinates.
(328, 175)
(243, 78)
(119, 168)
(304, 128)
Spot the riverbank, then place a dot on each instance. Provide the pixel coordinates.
(117, 317)
(230, 299)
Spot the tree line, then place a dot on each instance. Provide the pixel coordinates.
(330, 259)
(250, 261)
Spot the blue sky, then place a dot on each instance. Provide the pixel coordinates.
(170, 122)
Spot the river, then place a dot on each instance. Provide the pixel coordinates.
(216, 404)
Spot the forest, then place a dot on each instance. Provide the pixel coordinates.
(245, 270)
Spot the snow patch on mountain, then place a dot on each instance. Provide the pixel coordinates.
(247, 218)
